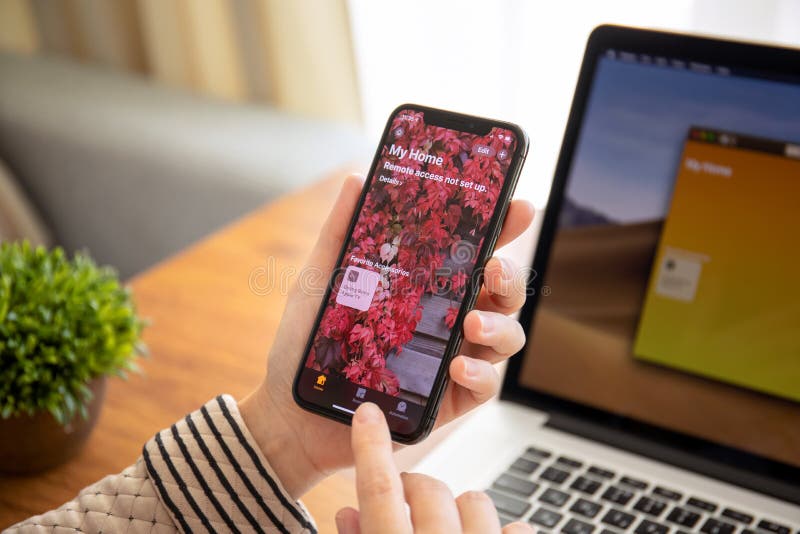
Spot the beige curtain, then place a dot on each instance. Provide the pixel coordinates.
(294, 54)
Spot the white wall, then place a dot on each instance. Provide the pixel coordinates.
(518, 60)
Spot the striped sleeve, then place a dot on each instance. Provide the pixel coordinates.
(211, 476)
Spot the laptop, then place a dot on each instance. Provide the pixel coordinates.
(659, 389)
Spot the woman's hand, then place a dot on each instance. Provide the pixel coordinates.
(302, 447)
(383, 492)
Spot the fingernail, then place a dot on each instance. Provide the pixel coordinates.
(487, 322)
(519, 526)
(470, 368)
(508, 269)
(340, 524)
(368, 413)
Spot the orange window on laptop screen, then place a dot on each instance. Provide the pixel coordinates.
(723, 299)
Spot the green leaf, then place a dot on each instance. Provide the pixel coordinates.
(63, 322)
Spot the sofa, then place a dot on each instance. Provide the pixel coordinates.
(133, 171)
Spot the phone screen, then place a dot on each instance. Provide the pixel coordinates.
(396, 296)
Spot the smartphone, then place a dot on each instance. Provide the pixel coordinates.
(411, 267)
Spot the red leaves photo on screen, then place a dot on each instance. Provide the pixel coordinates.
(420, 227)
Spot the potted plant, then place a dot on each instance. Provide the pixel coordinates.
(65, 325)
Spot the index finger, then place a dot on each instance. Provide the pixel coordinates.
(380, 490)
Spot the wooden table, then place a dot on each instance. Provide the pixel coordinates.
(210, 334)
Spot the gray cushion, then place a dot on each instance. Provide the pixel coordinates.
(18, 219)
(134, 171)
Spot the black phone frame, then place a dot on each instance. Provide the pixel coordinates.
(463, 123)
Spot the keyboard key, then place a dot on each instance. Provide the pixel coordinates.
(524, 465)
(617, 495)
(546, 518)
(634, 482)
(512, 484)
(747, 531)
(650, 506)
(715, 526)
(565, 460)
(541, 453)
(736, 515)
(607, 531)
(702, 504)
(773, 527)
(600, 472)
(555, 497)
(618, 518)
(683, 517)
(586, 508)
(667, 493)
(554, 475)
(576, 526)
(508, 505)
(585, 485)
(651, 527)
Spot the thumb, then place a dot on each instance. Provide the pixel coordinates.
(305, 296)
(347, 521)
(334, 231)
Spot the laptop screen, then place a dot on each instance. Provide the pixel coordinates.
(672, 290)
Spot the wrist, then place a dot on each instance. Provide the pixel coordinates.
(280, 442)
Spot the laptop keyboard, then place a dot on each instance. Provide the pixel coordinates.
(563, 494)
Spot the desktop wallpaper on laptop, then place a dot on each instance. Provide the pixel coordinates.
(671, 295)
